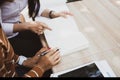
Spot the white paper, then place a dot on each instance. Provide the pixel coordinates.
(65, 35)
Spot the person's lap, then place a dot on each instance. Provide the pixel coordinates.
(26, 44)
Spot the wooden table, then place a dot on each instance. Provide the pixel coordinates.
(99, 21)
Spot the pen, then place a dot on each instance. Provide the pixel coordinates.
(57, 50)
(45, 52)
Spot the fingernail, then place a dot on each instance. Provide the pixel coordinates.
(49, 48)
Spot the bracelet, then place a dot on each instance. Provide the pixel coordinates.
(50, 14)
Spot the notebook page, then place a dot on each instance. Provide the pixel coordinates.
(65, 35)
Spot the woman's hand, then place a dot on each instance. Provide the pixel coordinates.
(38, 27)
(52, 14)
(31, 62)
(49, 60)
(61, 14)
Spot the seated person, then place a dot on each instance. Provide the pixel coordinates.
(38, 63)
(9, 60)
(24, 36)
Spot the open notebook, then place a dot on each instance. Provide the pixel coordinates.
(65, 35)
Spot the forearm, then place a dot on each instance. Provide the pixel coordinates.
(53, 14)
(47, 13)
(20, 27)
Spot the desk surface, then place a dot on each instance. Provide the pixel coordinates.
(99, 21)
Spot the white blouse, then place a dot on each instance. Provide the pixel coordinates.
(10, 14)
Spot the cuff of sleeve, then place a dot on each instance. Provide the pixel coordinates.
(8, 28)
(21, 59)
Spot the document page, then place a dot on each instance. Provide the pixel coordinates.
(65, 35)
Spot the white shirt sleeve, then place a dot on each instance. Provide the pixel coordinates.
(8, 28)
(21, 59)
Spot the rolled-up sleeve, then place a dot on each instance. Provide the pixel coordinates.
(8, 28)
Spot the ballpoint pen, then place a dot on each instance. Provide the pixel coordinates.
(45, 52)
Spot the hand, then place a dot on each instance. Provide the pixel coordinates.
(49, 60)
(62, 14)
(31, 62)
(38, 27)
